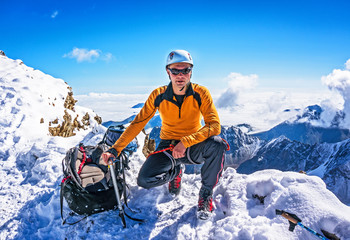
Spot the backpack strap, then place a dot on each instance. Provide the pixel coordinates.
(61, 199)
(64, 220)
(124, 161)
(134, 219)
(83, 161)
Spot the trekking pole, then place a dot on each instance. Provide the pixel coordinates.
(294, 220)
(116, 190)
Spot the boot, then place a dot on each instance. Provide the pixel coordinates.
(205, 204)
(175, 184)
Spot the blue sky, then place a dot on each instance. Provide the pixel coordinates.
(122, 45)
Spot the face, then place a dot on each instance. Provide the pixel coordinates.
(181, 80)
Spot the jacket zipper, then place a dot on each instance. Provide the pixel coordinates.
(181, 106)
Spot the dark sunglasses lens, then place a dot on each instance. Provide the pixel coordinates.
(186, 71)
(178, 71)
(175, 71)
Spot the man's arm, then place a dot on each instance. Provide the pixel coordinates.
(136, 126)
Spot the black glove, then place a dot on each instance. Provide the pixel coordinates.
(113, 151)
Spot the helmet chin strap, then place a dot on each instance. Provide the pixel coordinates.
(184, 86)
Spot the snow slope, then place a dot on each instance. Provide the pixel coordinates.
(29, 156)
(30, 174)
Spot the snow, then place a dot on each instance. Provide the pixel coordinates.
(31, 172)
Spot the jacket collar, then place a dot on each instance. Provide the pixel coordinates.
(169, 92)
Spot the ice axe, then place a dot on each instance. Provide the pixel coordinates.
(294, 220)
(111, 162)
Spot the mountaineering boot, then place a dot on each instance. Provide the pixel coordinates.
(175, 184)
(205, 204)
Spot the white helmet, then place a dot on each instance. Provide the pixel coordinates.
(178, 56)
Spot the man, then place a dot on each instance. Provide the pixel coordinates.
(181, 106)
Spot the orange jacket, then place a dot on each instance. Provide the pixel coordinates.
(178, 122)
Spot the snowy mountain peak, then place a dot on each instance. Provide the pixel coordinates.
(277, 140)
(311, 113)
(35, 108)
(36, 103)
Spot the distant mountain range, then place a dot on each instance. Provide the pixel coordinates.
(304, 131)
(154, 122)
(330, 161)
(291, 146)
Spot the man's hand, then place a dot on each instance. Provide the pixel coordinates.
(179, 150)
(106, 156)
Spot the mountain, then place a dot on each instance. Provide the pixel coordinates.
(305, 133)
(302, 129)
(329, 161)
(154, 122)
(242, 146)
(249, 154)
(139, 105)
(115, 123)
(39, 122)
(335, 169)
(35, 106)
(33, 144)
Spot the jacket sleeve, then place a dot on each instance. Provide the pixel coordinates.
(136, 126)
(212, 125)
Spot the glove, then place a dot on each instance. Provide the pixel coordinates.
(111, 153)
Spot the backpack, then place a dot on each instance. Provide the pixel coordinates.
(87, 185)
(113, 133)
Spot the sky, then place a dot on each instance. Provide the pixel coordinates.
(121, 46)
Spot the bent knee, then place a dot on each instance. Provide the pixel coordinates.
(141, 181)
(218, 143)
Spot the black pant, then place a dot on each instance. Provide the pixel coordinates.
(161, 167)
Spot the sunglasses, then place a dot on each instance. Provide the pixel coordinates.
(178, 71)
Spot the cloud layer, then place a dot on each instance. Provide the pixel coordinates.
(86, 55)
(237, 83)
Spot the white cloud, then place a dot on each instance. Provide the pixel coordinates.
(54, 14)
(104, 104)
(241, 82)
(107, 57)
(347, 64)
(339, 81)
(260, 109)
(237, 83)
(86, 55)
